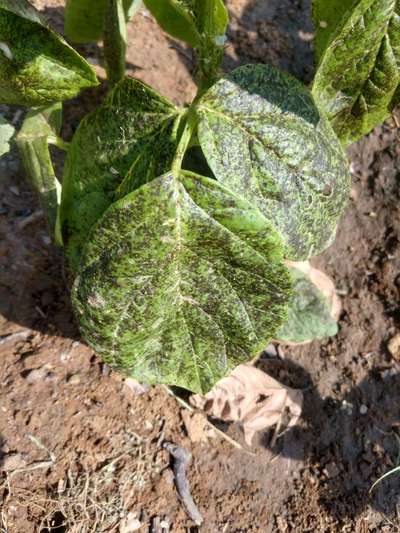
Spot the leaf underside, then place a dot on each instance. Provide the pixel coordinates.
(309, 314)
(128, 141)
(264, 138)
(37, 67)
(359, 72)
(181, 281)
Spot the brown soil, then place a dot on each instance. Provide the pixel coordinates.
(80, 451)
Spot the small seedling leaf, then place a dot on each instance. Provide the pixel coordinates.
(37, 67)
(176, 17)
(264, 138)
(359, 72)
(314, 308)
(126, 142)
(7, 132)
(84, 19)
(180, 281)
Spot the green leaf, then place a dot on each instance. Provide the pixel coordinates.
(177, 18)
(264, 138)
(37, 66)
(126, 142)
(211, 18)
(41, 127)
(309, 315)
(7, 131)
(84, 19)
(180, 281)
(359, 72)
(328, 16)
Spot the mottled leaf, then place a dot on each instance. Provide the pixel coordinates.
(176, 17)
(41, 127)
(37, 66)
(7, 131)
(84, 19)
(180, 281)
(314, 308)
(359, 72)
(127, 141)
(329, 16)
(265, 139)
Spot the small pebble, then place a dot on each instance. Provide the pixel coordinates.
(363, 409)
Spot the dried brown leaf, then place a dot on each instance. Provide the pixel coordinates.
(253, 398)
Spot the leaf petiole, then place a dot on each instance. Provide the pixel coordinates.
(187, 134)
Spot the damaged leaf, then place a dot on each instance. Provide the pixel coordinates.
(359, 71)
(253, 398)
(127, 141)
(314, 309)
(180, 281)
(265, 139)
(37, 67)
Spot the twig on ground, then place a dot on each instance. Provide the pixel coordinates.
(181, 459)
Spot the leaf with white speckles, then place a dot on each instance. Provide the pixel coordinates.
(37, 67)
(264, 138)
(127, 141)
(359, 71)
(180, 281)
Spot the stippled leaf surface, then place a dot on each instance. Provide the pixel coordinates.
(180, 281)
(84, 19)
(359, 72)
(7, 131)
(265, 139)
(41, 126)
(310, 314)
(37, 66)
(329, 16)
(127, 141)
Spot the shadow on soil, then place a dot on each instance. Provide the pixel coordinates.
(348, 442)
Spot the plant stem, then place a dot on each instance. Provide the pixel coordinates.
(189, 128)
(115, 41)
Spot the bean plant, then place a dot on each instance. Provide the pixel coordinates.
(178, 222)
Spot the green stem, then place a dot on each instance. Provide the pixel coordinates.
(115, 41)
(189, 128)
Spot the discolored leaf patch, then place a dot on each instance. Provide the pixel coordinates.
(359, 72)
(180, 281)
(37, 67)
(265, 139)
(127, 141)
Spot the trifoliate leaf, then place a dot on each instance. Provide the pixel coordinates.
(84, 19)
(180, 281)
(328, 16)
(37, 66)
(127, 141)
(265, 139)
(7, 131)
(41, 126)
(314, 308)
(359, 72)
